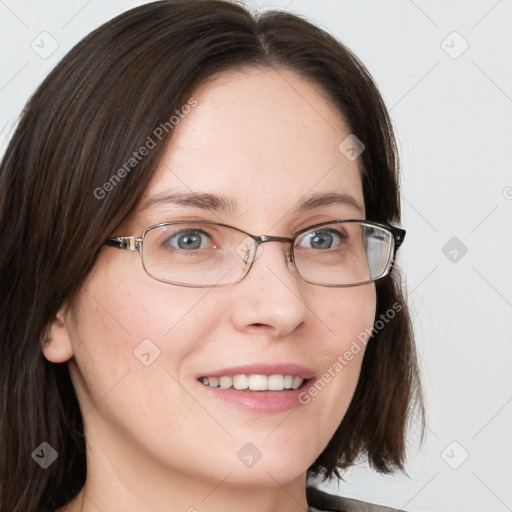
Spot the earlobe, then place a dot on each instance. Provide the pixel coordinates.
(56, 342)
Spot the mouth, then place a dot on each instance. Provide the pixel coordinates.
(255, 382)
(258, 388)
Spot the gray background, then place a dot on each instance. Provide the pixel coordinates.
(452, 108)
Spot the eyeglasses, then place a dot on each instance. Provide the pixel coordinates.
(207, 254)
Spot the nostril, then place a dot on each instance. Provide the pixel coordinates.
(258, 325)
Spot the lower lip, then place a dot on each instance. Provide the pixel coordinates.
(259, 401)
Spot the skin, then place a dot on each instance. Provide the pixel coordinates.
(156, 441)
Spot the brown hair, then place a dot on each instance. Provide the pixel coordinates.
(97, 106)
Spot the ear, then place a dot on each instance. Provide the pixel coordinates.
(57, 344)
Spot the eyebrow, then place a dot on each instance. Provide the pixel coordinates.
(214, 202)
(326, 199)
(200, 200)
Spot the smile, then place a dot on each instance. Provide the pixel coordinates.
(254, 382)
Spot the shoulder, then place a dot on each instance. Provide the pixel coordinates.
(330, 503)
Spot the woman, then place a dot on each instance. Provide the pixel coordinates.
(259, 336)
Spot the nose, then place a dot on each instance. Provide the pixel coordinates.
(271, 299)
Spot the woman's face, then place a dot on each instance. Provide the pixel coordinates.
(265, 140)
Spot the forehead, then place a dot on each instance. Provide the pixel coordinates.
(265, 138)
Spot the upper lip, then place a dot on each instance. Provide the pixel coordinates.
(296, 370)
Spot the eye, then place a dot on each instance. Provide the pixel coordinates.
(188, 240)
(321, 239)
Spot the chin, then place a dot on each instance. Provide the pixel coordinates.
(263, 462)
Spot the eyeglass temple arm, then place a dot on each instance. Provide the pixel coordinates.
(399, 235)
(130, 243)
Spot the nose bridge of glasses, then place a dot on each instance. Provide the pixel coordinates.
(261, 239)
(264, 238)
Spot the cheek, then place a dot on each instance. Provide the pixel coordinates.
(349, 317)
(136, 328)
(131, 352)
(118, 314)
(352, 308)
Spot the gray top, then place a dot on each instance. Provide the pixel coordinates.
(324, 502)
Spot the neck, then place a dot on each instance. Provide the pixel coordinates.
(180, 495)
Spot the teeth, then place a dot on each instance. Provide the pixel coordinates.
(213, 381)
(296, 383)
(275, 382)
(225, 382)
(258, 382)
(240, 382)
(254, 382)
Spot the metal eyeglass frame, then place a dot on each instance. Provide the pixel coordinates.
(133, 243)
